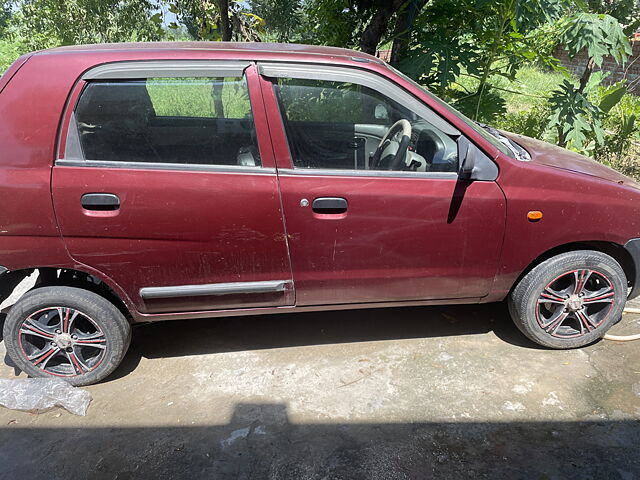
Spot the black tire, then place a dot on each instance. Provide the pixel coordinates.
(545, 306)
(40, 330)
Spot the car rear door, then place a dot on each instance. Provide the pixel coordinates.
(360, 233)
(165, 184)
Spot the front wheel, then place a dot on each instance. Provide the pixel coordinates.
(66, 332)
(569, 300)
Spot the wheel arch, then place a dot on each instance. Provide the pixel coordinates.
(618, 252)
(67, 277)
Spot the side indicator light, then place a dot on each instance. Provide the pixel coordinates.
(534, 215)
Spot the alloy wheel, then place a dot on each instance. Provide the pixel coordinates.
(62, 341)
(575, 303)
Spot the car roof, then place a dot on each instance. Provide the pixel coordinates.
(284, 49)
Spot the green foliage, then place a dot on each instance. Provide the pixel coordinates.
(531, 122)
(203, 19)
(612, 97)
(622, 132)
(49, 23)
(575, 118)
(283, 18)
(598, 34)
(487, 108)
(482, 39)
(627, 12)
(578, 121)
(9, 51)
(5, 15)
(334, 22)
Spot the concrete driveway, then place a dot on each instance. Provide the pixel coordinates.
(440, 392)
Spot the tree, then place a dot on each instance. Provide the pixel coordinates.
(402, 32)
(481, 40)
(283, 18)
(5, 15)
(576, 119)
(627, 12)
(382, 11)
(362, 23)
(216, 20)
(49, 23)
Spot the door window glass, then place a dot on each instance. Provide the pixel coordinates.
(338, 125)
(168, 120)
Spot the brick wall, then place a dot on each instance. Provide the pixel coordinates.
(617, 72)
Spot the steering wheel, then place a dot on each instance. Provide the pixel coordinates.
(388, 142)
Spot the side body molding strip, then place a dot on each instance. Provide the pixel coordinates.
(235, 288)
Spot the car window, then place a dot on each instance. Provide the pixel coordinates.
(340, 125)
(473, 125)
(167, 120)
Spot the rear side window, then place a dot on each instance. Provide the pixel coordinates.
(167, 120)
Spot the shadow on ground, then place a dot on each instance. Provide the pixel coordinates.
(232, 334)
(214, 335)
(260, 442)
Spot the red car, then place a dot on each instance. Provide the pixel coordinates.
(170, 181)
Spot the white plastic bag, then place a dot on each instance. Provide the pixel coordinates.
(39, 394)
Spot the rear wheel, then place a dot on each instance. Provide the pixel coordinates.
(66, 332)
(569, 300)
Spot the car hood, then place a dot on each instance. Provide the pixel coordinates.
(544, 153)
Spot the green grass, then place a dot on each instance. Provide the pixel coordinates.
(520, 106)
(194, 97)
(530, 88)
(533, 86)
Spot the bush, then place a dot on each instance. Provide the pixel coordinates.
(9, 51)
(527, 113)
(532, 122)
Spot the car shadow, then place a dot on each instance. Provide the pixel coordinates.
(234, 334)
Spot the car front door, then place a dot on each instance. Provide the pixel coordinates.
(364, 225)
(166, 186)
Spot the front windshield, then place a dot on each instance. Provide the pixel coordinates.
(477, 128)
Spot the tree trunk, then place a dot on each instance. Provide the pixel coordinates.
(378, 25)
(216, 95)
(402, 32)
(586, 75)
(225, 24)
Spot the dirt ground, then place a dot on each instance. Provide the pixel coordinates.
(438, 392)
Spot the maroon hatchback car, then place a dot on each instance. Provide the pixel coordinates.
(147, 182)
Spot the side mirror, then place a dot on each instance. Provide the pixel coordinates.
(467, 155)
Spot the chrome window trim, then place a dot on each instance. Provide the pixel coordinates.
(368, 173)
(214, 289)
(361, 77)
(143, 69)
(187, 167)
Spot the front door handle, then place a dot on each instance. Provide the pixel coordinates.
(329, 205)
(100, 201)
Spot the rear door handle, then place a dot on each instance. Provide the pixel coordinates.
(100, 201)
(329, 205)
